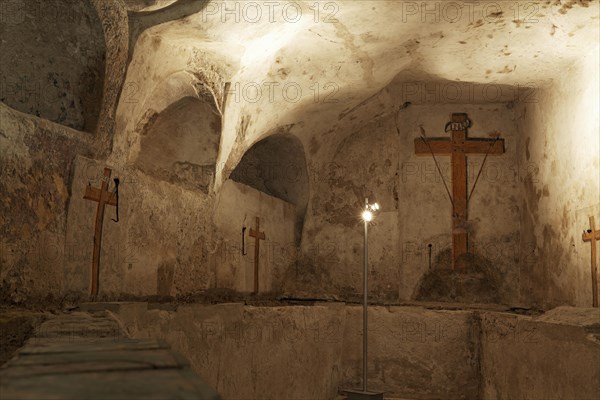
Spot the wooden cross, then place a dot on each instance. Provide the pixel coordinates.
(103, 197)
(258, 236)
(458, 146)
(591, 236)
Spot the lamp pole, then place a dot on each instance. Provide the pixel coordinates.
(364, 394)
(365, 290)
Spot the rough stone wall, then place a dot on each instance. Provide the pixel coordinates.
(366, 153)
(311, 352)
(238, 206)
(559, 139)
(36, 160)
(61, 61)
(425, 215)
(277, 166)
(376, 160)
(413, 353)
(163, 244)
(172, 241)
(541, 359)
(53, 64)
(267, 346)
(363, 164)
(162, 72)
(114, 18)
(181, 144)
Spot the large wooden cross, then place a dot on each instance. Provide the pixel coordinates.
(103, 197)
(258, 236)
(591, 236)
(457, 147)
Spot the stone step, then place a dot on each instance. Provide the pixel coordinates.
(87, 356)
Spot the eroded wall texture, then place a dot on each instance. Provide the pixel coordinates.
(37, 166)
(559, 138)
(53, 64)
(301, 352)
(179, 134)
(376, 160)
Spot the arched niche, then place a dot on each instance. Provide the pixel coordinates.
(53, 59)
(180, 145)
(276, 166)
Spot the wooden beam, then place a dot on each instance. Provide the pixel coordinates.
(482, 146)
(459, 146)
(438, 146)
(258, 236)
(592, 235)
(92, 193)
(103, 197)
(470, 146)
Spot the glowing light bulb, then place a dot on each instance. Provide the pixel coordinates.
(367, 215)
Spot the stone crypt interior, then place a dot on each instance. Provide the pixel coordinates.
(184, 182)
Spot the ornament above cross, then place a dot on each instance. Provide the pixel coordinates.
(458, 146)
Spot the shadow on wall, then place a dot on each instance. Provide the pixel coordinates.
(478, 282)
(277, 166)
(180, 145)
(53, 57)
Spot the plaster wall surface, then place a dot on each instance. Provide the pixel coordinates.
(359, 145)
(181, 144)
(252, 352)
(374, 158)
(238, 206)
(149, 251)
(559, 134)
(300, 352)
(53, 65)
(425, 212)
(36, 170)
(413, 352)
(555, 356)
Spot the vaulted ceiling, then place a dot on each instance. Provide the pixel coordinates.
(302, 67)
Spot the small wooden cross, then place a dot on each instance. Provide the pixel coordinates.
(258, 236)
(591, 236)
(103, 197)
(458, 146)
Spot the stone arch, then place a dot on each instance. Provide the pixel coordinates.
(53, 61)
(180, 144)
(277, 166)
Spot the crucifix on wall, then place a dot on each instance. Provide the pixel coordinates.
(591, 235)
(103, 197)
(258, 236)
(458, 146)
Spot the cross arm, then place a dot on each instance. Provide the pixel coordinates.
(470, 146)
(589, 236)
(484, 146)
(438, 146)
(259, 235)
(592, 233)
(92, 193)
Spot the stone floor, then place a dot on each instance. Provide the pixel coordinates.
(84, 355)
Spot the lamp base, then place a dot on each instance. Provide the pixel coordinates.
(360, 395)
